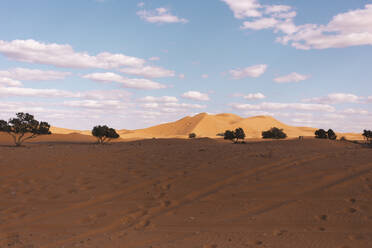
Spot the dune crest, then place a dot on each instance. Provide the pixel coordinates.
(207, 125)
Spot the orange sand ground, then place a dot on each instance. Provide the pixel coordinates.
(65, 191)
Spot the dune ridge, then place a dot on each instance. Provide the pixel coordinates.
(207, 125)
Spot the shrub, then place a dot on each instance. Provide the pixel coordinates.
(236, 135)
(321, 134)
(192, 135)
(274, 133)
(367, 135)
(104, 134)
(239, 134)
(24, 127)
(229, 135)
(331, 135)
(343, 138)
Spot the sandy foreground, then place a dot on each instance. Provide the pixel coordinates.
(201, 193)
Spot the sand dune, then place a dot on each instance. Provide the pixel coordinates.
(205, 125)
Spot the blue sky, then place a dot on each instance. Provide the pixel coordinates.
(133, 64)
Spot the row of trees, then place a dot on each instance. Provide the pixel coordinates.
(238, 134)
(323, 134)
(24, 127)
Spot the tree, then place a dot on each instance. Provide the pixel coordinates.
(321, 134)
(229, 135)
(24, 127)
(239, 134)
(192, 135)
(367, 135)
(331, 135)
(104, 134)
(274, 133)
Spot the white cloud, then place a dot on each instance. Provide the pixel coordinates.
(352, 28)
(335, 98)
(277, 17)
(4, 81)
(141, 4)
(94, 104)
(196, 95)
(148, 72)
(184, 105)
(281, 106)
(252, 71)
(277, 8)
(33, 74)
(254, 96)
(162, 99)
(160, 15)
(293, 77)
(259, 24)
(17, 91)
(351, 111)
(181, 76)
(105, 94)
(244, 8)
(32, 51)
(54, 93)
(205, 76)
(126, 82)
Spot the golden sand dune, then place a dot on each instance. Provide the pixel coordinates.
(206, 125)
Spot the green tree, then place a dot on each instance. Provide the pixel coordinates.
(331, 135)
(192, 135)
(321, 134)
(24, 127)
(274, 133)
(367, 135)
(239, 134)
(104, 134)
(229, 135)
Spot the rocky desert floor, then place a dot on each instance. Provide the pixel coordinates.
(202, 193)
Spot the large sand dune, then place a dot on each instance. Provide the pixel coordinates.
(205, 125)
(178, 193)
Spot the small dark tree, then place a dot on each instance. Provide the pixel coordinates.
(321, 134)
(229, 135)
(331, 135)
(192, 135)
(24, 127)
(274, 133)
(239, 134)
(104, 134)
(367, 135)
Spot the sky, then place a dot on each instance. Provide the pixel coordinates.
(132, 64)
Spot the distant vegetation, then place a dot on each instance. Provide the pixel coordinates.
(104, 134)
(24, 127)
(322, 134)
(274, 133)
(367, 134)
(331, 135)
(192, 136)
(235, 136)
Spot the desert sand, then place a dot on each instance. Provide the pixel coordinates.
(64, 190)
(180, 193)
